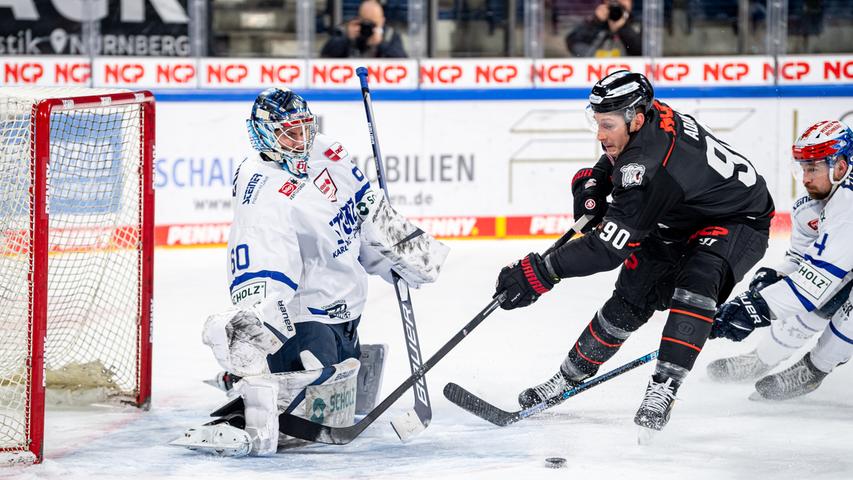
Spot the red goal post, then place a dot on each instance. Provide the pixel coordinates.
(76, 254)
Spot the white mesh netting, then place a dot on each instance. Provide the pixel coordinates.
(93, 254)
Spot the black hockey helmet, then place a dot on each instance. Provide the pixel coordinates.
(622, 90)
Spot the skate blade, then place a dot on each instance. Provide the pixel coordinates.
(194, 440)
(222, 450)
(213, 383)
(407, 425)
(757, 397)
(646, 436)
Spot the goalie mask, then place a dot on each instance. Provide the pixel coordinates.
(622, 93)
(818, 150)
(283, 128)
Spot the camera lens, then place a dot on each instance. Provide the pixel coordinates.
(616, 11)
(366, 29)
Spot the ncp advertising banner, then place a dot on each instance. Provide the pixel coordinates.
(462, 168)
(136, 70)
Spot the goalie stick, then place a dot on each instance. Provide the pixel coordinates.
(479, 407)
(307, 430)
(416, 420)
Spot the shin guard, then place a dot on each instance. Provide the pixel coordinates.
(687, 328)
(609, 328)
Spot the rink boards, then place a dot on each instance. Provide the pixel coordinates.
(464, 164)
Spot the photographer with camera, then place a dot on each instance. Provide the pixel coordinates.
(611, 32)
(365, 36)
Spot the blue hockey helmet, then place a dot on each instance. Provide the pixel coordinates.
(283, 128)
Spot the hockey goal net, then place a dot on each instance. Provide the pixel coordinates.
(76, 254)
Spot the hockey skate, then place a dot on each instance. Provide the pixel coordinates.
(222, 440)
(797, 380)
(740, 368)
(554, 386)
(653, 413)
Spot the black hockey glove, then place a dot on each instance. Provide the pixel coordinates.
(524, 281)
(736, 319)
(590, 188)
(764, 277)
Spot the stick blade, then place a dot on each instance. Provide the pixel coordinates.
(408, 425)
(479, 407)
(298, 427)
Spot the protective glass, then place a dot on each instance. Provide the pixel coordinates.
(609, 121)
(813, 169)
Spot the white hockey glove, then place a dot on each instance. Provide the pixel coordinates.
(241, 341)
(391, 242)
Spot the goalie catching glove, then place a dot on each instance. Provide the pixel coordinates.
(737, 318)
(391, 242)
(524, 281)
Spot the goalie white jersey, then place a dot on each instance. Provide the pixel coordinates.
(820, 259)
(294, 243)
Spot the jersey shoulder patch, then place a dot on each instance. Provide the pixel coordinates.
(331, 149)
(636, 166)
(336, 152)
(631, 174)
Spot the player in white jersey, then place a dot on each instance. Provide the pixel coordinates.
(809, 292)
(308, 228)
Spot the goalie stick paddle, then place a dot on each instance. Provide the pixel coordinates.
(405, 426)
(307, 430)
(485, 410)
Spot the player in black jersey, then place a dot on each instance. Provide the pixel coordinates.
(689, 217)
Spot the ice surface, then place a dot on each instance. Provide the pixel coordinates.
(715, 431)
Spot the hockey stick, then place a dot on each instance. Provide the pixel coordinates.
(307, 430)
(405, 425)
(502, 418)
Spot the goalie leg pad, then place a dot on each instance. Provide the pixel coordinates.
(370, 377)
(260, 399)
(332, 402)
(325, 395)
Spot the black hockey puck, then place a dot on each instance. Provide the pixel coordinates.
(555, 462)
